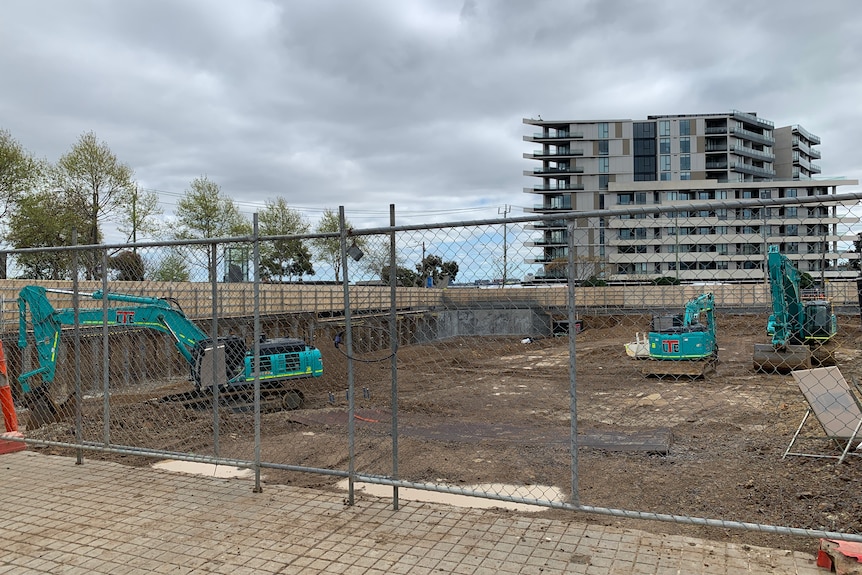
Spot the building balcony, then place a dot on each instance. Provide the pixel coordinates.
(540, 188)
(548, 259)
(805, 134)
(752, 119)
(553, 207)
(716, 165)
(799, 144)
(558, 135)
(546, 242)
(752, 170)
(548, 225)
(754, 136)
(815, 168)
(722, 147)
(558, 153)
(557, 170)
(752, 153)
(716, 129)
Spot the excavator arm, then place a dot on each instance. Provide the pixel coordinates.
(224, 366)
(47, 325)
(799, 328)
(783, 324)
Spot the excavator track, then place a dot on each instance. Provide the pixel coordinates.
(793, 357)
(693, 369)
(240, 399)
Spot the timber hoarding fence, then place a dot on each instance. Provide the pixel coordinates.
(399, 346)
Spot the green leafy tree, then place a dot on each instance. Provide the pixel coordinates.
(173, 268)
(376, 262)
(41, 220)
(205, 213)
(329, 249)
(137, 215)
(19, 173)
(284, 257)
(404, 277)
(435, 268)
(96, 185)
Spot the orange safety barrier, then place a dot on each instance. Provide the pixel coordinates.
(10, 419)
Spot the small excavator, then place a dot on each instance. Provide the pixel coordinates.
(684, 345)
(224, 367)
(801, 328)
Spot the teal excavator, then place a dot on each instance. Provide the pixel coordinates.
(801, 328)
(684, 345)
(225, 367)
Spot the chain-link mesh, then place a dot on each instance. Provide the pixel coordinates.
(710, 379)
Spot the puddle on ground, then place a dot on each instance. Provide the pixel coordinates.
(207, 469)
(407, 493)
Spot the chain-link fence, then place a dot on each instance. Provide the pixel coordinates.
(699, 368)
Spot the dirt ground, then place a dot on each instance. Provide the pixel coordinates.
(496, 410)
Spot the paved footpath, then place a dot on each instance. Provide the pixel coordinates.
(100, 517)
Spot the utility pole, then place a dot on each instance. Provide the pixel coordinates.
(505, 209)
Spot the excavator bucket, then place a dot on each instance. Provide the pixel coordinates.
(40, 409)
(769, 360)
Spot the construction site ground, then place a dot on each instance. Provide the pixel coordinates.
(477, 411)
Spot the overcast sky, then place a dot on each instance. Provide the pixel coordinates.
(416, 103)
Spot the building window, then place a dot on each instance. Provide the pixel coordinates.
(604, 165)
(664, 128)
(685, 162)
(685, 128)
(665, 176)
(665, 163)
(790, 212)
(685, 175)
(664, 146)
(684, 145)
(603, 147)
(603, 130)
(603, 182)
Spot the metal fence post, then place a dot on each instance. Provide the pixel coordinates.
(79, 423)
(214, 343)
(106, 368)
(257, 335)
(393, 343)
(348, 342)
(573, 386)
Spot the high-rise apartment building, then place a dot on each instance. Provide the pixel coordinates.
(678, 160)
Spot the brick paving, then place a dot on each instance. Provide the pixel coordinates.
(107, 518)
